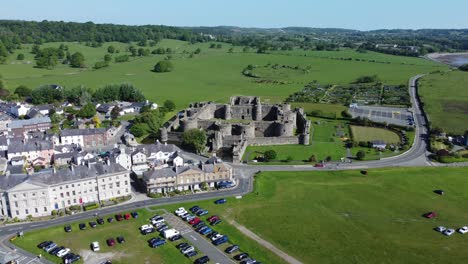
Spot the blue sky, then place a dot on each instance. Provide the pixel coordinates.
(353, 14)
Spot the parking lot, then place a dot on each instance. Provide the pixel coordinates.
(215, 255)
(390, 115)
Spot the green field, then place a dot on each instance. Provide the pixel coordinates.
(369, 134)
(214, 74)
(345, 217)
(327, 109)
(325, 141)
(445, 100)
(134, 250)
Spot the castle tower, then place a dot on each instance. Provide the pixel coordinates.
(288, 129)
(217, 142)
(248, 131)
(258, 112)
(227, 111)
(188, 124)
(164, 136)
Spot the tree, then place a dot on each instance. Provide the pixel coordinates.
(23, 91)
(212, 45)
(137, 130)
(77, 60)
(270, 154)
(87, 111)
(111, 49)
(312, 158)
(169, 105)
(133, 50)
(360, 155)
(464, 67)
(97, 122)
(115, 112)
(195, 139)
(47, 58)
(219, 46)
(231, 50)
(20, 56)
(197, 51)
(107, 58)
(35, 49)
(163, 66)
(46, 94)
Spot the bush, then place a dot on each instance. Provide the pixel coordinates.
(464, 67)
(154, 195)
(100, 64)
(163, 66)
(312, 158)
(54, 212)
(122, 58)
(270, 154)
(360, 155)
(20, 56)
(92, 206)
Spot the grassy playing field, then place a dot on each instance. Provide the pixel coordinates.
(214, 74)
(134, 250)
(445, 100)
(366, 134)
(346, 217)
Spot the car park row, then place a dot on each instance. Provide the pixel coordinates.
(192, 217)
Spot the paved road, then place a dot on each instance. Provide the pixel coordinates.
(195, 239)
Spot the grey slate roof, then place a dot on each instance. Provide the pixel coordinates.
(31, 145)
(78, 132)
(10, 181)
(32, 121)
(160, 173)
(154, 148)
(79, 172)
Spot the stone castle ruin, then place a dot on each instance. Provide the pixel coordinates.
(244, 121)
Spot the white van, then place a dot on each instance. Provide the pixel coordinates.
(95, 246)
(170, 233)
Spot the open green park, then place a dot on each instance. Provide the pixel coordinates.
(369, 134)
(317, 217)
(446, 100)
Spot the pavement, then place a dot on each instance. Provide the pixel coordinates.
(390, 115)
(198, 241)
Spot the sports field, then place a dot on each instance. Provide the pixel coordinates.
(367, 134)
(445, 98)
(214, 74)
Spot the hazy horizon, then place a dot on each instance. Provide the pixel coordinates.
(361, 15)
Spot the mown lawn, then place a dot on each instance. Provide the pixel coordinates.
(134, 250)
(367, 134)
(346, 217)
(445, 97)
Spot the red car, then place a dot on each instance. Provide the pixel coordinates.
(213, 218)
(127, 216)
(319, 165)
(119, 217)
(110, 242)
(430, 215)
(194, 221)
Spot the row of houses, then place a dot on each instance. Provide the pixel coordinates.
(37, 194)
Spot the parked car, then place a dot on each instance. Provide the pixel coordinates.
(56, 250)
(202, 260)
(180, 211)
(162, 228)
(175, 238)
(463, 230)
(92, 224)
(63, 252)
(101, 221)
(186, 250)
(191, 254)
(194, 208)
(44, 244)
(49, 247)
(67, 228)
(430, 215)
(248, 261)
(449, 232)
(439, 192)
(143, 227)
(134, 214)
(212, 218)
(220, 240)
(181, 245)
(158, 242)
(158, 220)
(212, 234)
(110, 242)
(220, 201)
(319, 165)
(95, 246)
(71, 257)
(241, 256)
(127, 216)
(202, 212)
(82, 226)
(440, 228)
(110, 219)
(148, 231)
(201, 228)
(120, 239)
(215, 237)
(215, 222)
(232, 249)
(199, 225)
(194, 221)
(206, 231)
(119, 217)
